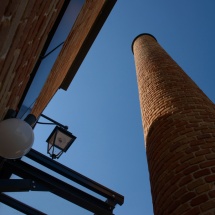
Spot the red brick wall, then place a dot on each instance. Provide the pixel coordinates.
(24, 28)
(179, 131)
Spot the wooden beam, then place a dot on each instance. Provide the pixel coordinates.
(87, 43)
(79, 41)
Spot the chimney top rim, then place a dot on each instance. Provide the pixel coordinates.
(147, 34)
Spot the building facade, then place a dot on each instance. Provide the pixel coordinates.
(179, 130)
(57, 34)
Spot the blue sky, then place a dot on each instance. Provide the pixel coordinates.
(101, 106)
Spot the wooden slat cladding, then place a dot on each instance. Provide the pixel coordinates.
(79, 35)
(24, 28)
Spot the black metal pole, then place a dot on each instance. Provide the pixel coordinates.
(52, 50)
(55, 122)
(26, 209)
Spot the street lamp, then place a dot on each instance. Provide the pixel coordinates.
(59, 140)
(16, 137)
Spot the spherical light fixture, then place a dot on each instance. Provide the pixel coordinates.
(16, 138)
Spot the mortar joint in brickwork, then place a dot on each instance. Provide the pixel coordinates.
(179, 122)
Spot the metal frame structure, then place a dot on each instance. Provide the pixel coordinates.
(36, 180)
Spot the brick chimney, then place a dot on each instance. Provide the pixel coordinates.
(179, 132)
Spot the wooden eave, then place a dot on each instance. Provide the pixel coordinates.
(86, 27)
(87, 42)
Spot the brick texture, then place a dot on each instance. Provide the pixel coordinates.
(25, 26)
(179, 132)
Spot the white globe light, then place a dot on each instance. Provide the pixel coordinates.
(16, 138)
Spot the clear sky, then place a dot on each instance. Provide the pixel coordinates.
(101, 106)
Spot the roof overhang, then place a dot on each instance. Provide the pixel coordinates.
(25, 28)
(87, 37)
(84, 31)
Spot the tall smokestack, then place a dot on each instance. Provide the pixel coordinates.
(179, 132)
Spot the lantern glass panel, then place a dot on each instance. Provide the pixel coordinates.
(60, 138)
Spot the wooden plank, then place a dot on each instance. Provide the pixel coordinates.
(73, 45)
(87, 43)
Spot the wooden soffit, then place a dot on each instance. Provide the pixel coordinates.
(24, 28)
(84, 31)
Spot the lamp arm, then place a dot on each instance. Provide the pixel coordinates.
(46, 123)
(53, 122)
